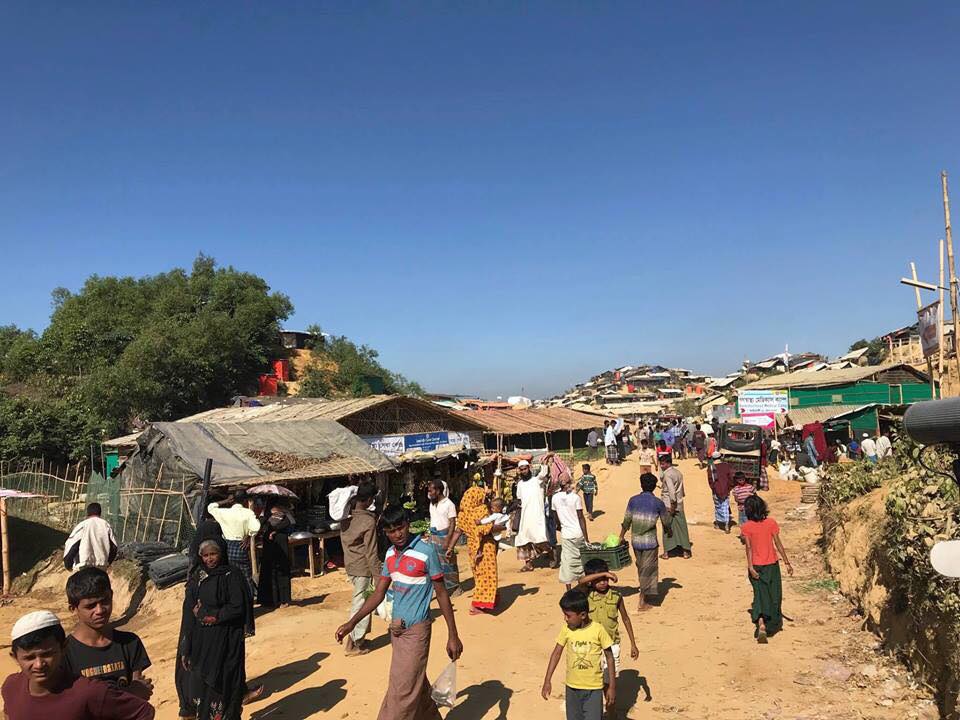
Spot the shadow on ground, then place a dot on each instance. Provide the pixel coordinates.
(304, 703)
(286, 676)
(477, 700)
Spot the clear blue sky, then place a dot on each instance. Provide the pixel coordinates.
(495, 195)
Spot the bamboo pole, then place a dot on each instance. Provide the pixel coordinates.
(183, 503)
(163, 515)
(948, 231)
(5, 539)
(153, 499)
(940, 323)
(933, 383)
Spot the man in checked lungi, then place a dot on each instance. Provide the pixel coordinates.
(640, 519)
(239, 525)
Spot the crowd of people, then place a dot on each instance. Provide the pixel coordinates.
(544, 515)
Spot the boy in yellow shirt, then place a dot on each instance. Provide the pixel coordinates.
(586, 642)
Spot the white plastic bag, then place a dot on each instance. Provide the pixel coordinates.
(385, 609)
(444, 690)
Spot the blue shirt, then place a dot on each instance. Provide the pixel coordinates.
(641, 517)
(412, 572)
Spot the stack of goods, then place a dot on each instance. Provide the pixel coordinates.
(169, 570)
(316, 519)
(144, 553)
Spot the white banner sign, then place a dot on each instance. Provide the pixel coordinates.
(763, 402)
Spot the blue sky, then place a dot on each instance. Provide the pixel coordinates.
(495, 195)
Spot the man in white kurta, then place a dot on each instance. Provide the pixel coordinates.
(531, 538)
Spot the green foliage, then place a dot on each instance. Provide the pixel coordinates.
(876, 349)
(819, 585)
(151, 348)
(842, 482)
(687, 407)
(340, 368)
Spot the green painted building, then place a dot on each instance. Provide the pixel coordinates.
(853, 396)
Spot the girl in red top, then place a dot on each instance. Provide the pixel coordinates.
(761, 536)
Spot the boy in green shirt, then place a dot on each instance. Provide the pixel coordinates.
(586, 642)
(605, 605)
(589, 487)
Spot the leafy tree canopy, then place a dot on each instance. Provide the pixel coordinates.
(340, 368)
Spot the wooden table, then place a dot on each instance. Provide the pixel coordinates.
(321, 537)
(311, 563)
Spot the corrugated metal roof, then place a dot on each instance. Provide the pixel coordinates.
(824, 378)
(799, 417)
(529, 420)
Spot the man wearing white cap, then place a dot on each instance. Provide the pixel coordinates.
(44, 689)
(869, 448)
(531, 538)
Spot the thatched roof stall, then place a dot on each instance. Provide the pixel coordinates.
(554, 427)
(164, 473)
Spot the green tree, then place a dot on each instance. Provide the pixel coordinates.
(341, 368)
(876, 349)
(151, 348)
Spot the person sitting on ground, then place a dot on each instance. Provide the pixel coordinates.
(91, 543)
(761, 536)
(586, 642)
(605, 605)
(588, 487)
(44, 688)
(742, 489)
(94, 649)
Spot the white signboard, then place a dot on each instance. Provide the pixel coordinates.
(763, 402)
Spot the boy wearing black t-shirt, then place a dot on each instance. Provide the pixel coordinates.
(95, 650)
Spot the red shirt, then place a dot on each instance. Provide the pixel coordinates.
(79, 699)
(760, 534)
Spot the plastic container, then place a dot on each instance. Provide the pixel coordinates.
(616, 558)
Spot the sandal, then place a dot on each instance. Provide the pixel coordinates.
(252, 695)
(665, 556)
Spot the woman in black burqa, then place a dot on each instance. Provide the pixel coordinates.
(273, 588)
(212, 644)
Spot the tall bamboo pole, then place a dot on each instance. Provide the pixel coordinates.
(5, 539)
(933, 383)
(940, 323)
(948, 231)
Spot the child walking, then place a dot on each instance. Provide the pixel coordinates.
(761, 535)
(589, 488)
(605, 605)
(586, 642)
(413, 569)
(742, 489)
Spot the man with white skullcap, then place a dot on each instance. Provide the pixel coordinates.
(532, 539)
(44, 688)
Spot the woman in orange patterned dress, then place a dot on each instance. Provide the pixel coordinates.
(482, 549)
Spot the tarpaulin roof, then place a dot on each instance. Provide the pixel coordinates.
(798, 417)
(530, 420)
(335, 450)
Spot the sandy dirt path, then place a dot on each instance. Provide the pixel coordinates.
(697, 658)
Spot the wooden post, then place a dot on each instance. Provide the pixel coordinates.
(254, 565)
(953, 270)
(933, 383)
(5, 539)
(940, 324)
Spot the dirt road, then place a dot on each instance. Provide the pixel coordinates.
(697, 658)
